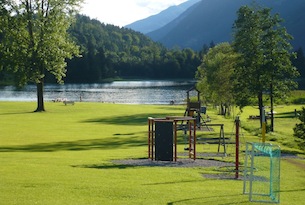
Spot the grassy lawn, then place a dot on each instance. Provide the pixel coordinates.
(64, 156)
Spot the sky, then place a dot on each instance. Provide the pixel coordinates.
(123, 12)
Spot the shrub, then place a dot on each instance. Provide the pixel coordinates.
(299, 130)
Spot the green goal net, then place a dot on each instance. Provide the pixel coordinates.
(262, 172)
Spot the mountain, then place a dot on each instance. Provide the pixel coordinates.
(159, 20)
(211, 21)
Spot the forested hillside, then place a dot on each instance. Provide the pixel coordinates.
(109, 51)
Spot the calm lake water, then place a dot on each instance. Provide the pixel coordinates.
(126, 92)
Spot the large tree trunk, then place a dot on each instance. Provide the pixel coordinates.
(40, 101)
(222, 110)
(261, 107)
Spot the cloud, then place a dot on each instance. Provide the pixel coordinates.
(123, 12)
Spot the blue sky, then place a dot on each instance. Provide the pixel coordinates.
(123, 12)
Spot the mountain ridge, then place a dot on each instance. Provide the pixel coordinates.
(209, 21)
(159, 20)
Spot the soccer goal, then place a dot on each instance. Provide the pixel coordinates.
(262, 172)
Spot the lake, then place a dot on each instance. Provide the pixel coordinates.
(124, 92)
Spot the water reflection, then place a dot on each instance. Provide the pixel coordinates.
(127, 92)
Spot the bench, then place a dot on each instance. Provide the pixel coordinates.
(257, 117)
(59, 100)
(254, 117)
(69, 102)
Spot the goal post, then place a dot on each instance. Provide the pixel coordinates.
(262, 172)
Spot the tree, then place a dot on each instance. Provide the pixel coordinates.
(215, 75)
(35, 40)
(299, 130)
(299, 63)
(264, 65)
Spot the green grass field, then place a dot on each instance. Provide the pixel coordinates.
(64, 156)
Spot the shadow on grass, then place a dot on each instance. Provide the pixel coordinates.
(209, 199)
(18, 113)
(285, 115)
(139, 119)
(118, 141)
(179, 107)
(290, 153)
(293, 190)
(104, 166)
(174, 182)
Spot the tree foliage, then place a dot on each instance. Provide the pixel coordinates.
(265, 53)
(215, 75)
(299, 130)
(35, 40)
(299, 63)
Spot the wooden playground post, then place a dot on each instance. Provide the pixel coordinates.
(150, 137)
(195, 139)
(148, 140)
(190, 139)
(175, 141)
(237, 123)
(221, 137)
(263, 126)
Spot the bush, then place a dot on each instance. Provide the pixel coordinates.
(299, 130)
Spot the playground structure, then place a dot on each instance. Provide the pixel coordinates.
(261, 174)
(162, 137)
(220, 140)
(193, 108)
(162, 132)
